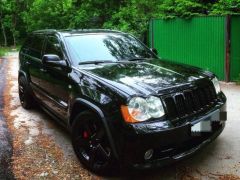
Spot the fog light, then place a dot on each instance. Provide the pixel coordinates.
(148, 154)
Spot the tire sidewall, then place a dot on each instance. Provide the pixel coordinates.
(28, 101)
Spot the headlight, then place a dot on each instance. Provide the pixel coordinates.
(155, 107)
(216, 85)
(140, 109)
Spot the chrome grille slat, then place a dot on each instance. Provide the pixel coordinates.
(188, 102)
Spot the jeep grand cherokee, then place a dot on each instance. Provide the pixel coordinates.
(121, 102)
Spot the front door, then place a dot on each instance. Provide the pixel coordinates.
(55, 82)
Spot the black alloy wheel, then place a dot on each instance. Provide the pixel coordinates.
(26, 99)
(90, 142)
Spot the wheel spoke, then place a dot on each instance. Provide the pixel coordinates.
(98, 135)
(92, 155)
(21, 89)
(104, 154)
(21, 96)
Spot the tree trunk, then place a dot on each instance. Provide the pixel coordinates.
(14, 24)
(14, 39)
(4, 34)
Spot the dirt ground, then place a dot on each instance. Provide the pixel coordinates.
(42, 149)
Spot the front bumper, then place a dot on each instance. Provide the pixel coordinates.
(178, 152)
(169, 144)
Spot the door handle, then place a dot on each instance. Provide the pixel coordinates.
(43, 70)
(27, 63)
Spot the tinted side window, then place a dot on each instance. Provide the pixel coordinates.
(36, 46)
(27, 45)
(53, 47)
(28, 42)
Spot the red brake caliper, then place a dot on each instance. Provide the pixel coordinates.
(85, 134)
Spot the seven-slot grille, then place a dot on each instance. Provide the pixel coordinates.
(188, 102)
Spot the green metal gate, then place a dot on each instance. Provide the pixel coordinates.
(199, 41)
(235, 48)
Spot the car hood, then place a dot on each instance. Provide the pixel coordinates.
(144, 77)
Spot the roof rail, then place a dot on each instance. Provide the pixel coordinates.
(110, 30)
(45, 30)
(75, 30)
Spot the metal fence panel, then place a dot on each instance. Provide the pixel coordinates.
(235, 48)
(199, 41)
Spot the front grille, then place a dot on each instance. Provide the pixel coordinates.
(189, 102)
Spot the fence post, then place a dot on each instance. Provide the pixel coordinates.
(152, 37)
(227, 47)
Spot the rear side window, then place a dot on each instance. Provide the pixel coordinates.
(35, 46)
(53, 46)
(27, 43)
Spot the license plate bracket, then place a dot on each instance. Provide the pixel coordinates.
(204, 124)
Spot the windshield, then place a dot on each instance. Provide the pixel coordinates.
(106, 47)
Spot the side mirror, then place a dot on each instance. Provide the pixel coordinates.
(52, 60)
(154, 51)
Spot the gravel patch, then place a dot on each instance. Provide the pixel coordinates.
(5, 138)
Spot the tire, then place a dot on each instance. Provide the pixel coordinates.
(91, 144)
(25, 96)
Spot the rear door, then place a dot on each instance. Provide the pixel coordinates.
(33, 59)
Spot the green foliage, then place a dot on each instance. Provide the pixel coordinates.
(46, 14)
(224, 7)
(92, 13)
(18, 17)
(182, 8)
(133, 16)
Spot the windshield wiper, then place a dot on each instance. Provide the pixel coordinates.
(137, 59)
(95, 62)
(108, 61)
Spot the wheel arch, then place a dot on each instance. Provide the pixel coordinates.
(84, 105)
(23, 73)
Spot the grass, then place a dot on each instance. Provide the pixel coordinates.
(4, 50)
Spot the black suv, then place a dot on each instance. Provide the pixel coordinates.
(121, 103)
